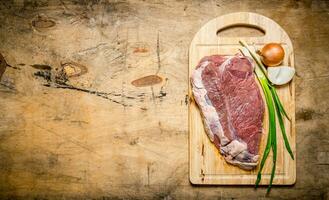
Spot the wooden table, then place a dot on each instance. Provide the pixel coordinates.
(93, 98)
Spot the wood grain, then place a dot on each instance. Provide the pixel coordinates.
(207, 166)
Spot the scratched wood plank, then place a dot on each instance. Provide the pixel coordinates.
(207, 166)
(85, 105)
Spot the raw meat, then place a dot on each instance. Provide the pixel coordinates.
(225, 89)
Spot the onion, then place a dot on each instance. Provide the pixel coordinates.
(272, 54)
(280, 75)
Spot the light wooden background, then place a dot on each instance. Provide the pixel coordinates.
(92, 134)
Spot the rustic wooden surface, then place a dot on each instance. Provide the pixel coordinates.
(75, 123)
(207, 166)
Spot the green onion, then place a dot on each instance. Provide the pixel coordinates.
(281, 109)
(271, 127)
(279, 114)
(275, 110)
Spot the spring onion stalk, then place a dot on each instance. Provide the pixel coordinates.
(280, 111)
(275, 111)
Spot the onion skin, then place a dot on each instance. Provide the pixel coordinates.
(272, 54)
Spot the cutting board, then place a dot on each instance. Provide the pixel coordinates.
(221, 36)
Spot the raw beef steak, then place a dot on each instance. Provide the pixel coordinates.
(228, 96)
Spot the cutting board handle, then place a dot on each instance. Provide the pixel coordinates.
(208, 33)
(257, 31)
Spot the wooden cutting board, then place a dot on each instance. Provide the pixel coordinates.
(207, 166)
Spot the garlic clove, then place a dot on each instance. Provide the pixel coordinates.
(280, 75)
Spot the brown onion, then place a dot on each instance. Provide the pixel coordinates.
(272, 54)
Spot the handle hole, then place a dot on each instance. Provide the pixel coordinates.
(241, 30)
